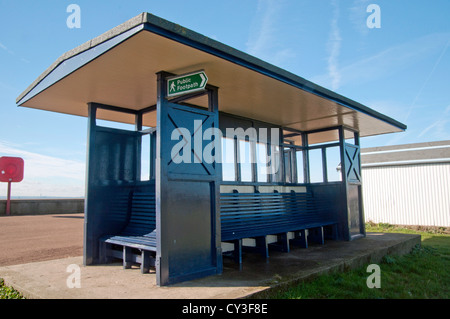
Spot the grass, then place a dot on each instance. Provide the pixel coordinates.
(8, 292)
(422, 274)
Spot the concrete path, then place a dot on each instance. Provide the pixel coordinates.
(53, 279)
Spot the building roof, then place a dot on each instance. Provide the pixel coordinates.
(118, 68)
(406, 154)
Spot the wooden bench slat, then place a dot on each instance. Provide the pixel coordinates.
(139, 232)
(260, 214)
(242, 215)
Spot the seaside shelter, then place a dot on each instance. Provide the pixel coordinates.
(219, 154)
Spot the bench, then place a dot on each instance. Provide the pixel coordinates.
(137, 240)
(285, 216)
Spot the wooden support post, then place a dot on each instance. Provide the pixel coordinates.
(237, 254)
(284, 241)
(127, 257)
(262, 246)
(145, 261)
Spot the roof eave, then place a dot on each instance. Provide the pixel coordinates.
(180, 34)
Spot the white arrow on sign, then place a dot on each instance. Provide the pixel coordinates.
(203, 80)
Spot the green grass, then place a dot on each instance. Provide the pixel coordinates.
(422, 274)
(8, 292)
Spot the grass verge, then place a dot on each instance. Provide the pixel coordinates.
(422, 274)
(8, 292)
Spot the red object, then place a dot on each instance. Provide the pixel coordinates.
(11, 169)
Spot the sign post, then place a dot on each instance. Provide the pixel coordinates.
(11, 170)
(186, 83)
(8, 199)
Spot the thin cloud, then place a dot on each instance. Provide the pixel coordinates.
(334, 48)
(259, 40)
(358, 16)
(439, 129)
(427, 79)
(263, 40)
(12, 53)
(4, 47)
(46, 175)
(386, 62)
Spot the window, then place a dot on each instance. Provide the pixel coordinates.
(275, 164)
(288, 165)
(333, 162)
(245, 160)
(300, 171)
(262, 162)
(228, 160)
(146, 161)
(315, 166)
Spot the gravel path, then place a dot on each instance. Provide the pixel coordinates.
(25, 239)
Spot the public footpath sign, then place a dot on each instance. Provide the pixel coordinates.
(187, 83)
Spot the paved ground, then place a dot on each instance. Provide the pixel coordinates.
(25, 239)
(38, 252)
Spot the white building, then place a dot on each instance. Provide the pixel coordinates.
(407, 184)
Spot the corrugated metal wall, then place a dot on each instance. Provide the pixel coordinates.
(407, 194)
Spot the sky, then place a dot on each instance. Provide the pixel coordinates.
(400, 67)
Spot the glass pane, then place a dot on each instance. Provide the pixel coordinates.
(333, 164)
(245, 161)
(288, 165)
(315, 166)
(262, 162)
(228, 165)
(300, 172)
(274, 163)
(117, 125)
(145, 157)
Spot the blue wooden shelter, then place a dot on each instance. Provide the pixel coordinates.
(152, 197)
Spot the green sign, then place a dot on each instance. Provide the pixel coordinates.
(186, 83)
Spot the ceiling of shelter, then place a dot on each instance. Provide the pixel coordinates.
(125, 76)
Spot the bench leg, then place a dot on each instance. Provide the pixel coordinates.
(316, 235)
(237, 254)
(300, 239)
(127, 257)
(262, 246)
(104, 253)
(145, 261)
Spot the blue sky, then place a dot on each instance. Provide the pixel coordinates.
(401, 69)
